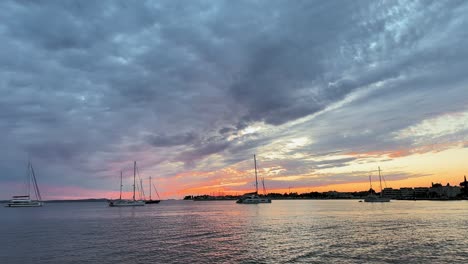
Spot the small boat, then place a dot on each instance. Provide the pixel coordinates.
(253, 197)
(372, 198)
(25, 200)
(133, 202)
(151, 201)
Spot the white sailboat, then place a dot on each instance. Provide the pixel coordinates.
(25, 200)
(372, 198)
(133, 202)
(253, 197)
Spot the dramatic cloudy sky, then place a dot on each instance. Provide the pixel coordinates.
(322, 91)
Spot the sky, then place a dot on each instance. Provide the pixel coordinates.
(323, 92)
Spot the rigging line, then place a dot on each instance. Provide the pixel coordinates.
(263, 183)
(138, 190)
(31, 179)
(157, 193)
(142, 191)
(383, 178)
(28, 178)
(380, 180)
(134, 172)
(36, 188)
(256, 181)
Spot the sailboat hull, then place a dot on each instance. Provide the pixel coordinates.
(25, 204)
(252, 199)
(125, 203)
(152, 202)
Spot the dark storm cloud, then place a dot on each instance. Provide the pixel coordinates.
(225, 130)
(174, 140)
(88, 85)
(56, 25)
(190, 157)
(275, 85)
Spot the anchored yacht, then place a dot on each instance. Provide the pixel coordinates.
(253, 197)
(133, 202)
(372, 198)
(25, 200)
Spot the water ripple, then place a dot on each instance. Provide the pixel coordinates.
(224, 232)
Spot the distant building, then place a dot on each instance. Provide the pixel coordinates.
(444, 192)
(421, 192)
(406, 193)
(391, 193)
(464, 187)
(338, 195)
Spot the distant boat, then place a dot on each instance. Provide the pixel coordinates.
(25, 200)
(151, 201)
(253, 197)
(133, 202)
(372, 198)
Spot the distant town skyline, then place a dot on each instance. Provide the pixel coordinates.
(323, 92)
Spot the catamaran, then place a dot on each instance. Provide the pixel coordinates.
(372, 198)
(133, 202)
(253, 197)
(25, 200)
(151, 201)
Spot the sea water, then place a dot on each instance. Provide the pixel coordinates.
(285, 231)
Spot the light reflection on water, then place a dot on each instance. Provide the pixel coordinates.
(298, 231)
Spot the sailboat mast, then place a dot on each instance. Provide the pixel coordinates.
(256, 180)
(150, 188)
(36, 188)
(29, 178)
(134, 175)
(380, 179)
(120, 197)
(142, 192)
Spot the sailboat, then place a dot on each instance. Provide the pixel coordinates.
(151, 201)
(253, 197)
(133, 202)
(25, 200)
(372, 198)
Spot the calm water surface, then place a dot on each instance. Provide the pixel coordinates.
(310, 231)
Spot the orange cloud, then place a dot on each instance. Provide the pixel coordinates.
(436, 147)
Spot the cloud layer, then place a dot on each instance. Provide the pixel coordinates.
(193, 87)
